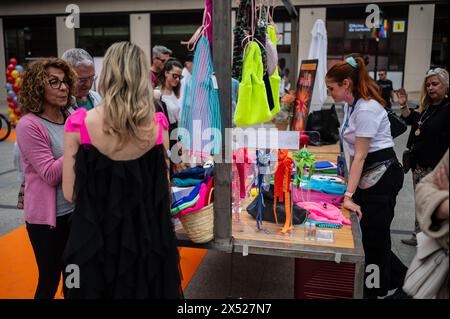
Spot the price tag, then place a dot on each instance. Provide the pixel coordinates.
(214, 81)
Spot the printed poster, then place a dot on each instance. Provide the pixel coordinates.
(305, 86)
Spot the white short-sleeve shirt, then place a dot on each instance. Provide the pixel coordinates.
(368, 119)
(173, 107)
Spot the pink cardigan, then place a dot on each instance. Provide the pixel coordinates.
(41, 170)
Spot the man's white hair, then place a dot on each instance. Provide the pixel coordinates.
(77, 57)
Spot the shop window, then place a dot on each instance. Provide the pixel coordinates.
(29, 38)
(347, 33)
(169, 29)
(98, 32)
(284, 32)
(439, 53)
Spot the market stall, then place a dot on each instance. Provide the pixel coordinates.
(331, 266)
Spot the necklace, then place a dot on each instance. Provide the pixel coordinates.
(420, 123)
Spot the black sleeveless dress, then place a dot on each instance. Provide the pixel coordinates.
(122, 238)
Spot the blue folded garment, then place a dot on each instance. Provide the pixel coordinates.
(186, 182)
(325, 165)
(188, 198)
(197, 172)
(325, 186)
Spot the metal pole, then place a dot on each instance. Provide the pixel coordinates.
(222, 66)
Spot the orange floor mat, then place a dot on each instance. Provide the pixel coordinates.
(18, 270)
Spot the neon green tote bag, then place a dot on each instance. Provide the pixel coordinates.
(252, 106)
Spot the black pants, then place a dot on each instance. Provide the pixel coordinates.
(48, 246)
(377, 205)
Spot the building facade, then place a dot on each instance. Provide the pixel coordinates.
(416, 32)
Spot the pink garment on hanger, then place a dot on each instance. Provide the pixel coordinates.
(209, 28)
(299, 195)
(324, 212)
(241, 159)
(199, 205)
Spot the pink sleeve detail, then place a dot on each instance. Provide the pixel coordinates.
(162, 121)
(76, 123)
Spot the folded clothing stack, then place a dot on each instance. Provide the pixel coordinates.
(299, 195)
(325, 186)
(325, 167)
(196, 200)
(324, 213)
(192, 176)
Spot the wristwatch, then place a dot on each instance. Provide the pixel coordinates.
(348, 194)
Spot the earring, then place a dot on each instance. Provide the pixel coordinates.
(347, 96)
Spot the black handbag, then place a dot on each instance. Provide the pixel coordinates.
(299, 214)
(408, 161)
(398, 125)
(326, 123)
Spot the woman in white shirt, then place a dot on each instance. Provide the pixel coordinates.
(375, 176)
(169, 80)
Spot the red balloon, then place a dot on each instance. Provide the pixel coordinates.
(11, 67)
(8, 73)
(10, 99)
(13, 61)
(16, 88)
(11, 80)
(12, 105)
(17, 111)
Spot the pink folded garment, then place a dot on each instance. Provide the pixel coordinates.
(299, 195)
(199, 205)
(324, 212)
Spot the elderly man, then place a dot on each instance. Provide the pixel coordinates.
(160, 55)
(83, 64)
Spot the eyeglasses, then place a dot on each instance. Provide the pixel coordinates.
(176, 76)
(56, 83)
(91, 78)
(163, 61)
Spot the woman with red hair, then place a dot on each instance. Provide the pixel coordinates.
(375, 175)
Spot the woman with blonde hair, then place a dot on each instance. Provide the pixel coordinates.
(116, 173)
(375, 175)
(429, 137)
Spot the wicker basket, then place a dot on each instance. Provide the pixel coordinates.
(199, 225)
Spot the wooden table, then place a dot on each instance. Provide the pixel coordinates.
(346, 248)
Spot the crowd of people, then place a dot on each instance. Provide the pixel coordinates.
(97, 173)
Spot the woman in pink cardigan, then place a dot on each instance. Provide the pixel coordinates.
(44, 97)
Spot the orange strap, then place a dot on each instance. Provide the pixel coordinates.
(282, 185)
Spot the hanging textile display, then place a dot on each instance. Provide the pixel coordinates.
(209, 26)
(252, 107)
(200, 111)
(274, 78)
(255, 64)
(248, 23)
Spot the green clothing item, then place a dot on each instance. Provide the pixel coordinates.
(252, 106)
(274, 79)
(186, 182)
(178, 209)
